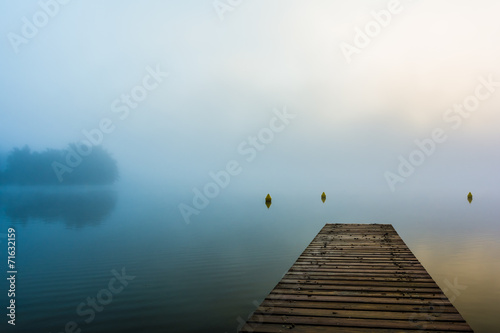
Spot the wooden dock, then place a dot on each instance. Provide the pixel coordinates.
(356, 278)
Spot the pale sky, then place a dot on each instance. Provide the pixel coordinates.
(353, 119)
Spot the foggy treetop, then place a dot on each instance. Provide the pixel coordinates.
(59, 167)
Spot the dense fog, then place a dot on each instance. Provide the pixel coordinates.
(301, 97)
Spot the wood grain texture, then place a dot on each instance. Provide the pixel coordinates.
(356, 278)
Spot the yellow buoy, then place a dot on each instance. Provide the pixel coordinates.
(268, 200)
(469, 197)
(323, 197)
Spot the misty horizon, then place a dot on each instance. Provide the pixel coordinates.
(146, 135)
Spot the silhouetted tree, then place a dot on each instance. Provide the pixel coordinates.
(19, 168)
(24, 167)
(97, 168)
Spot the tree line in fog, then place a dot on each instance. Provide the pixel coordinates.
(50, 167)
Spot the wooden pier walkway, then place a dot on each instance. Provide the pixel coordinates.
(356, 278)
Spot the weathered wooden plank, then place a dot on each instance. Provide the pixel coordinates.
(272, 328)
(361, 265)
(384, 257)
(362, 282)
(317, 268)
(438, 302)
(311, 304)
(366, 322)
(387, 288)
(333, 274)
(356, 278)
(374, 314)
(305, 290)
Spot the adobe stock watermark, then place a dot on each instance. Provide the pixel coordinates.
(249, 149)
(363, 36)
(269, 309)
(103, 298)
(122, 107)
(222, 7)
(242, 322)
(425, 316)
(453, 116)
(31, 26)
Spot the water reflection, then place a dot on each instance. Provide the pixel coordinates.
(76, 208)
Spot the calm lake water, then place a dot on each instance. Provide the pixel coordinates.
(208, 276)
